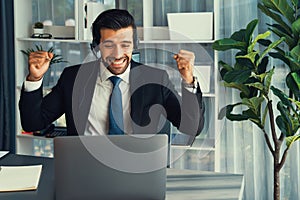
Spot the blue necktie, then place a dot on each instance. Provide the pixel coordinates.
(116, 126)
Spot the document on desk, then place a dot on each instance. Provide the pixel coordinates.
(19, 178)
(3, 153)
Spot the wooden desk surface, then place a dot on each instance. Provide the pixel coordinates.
(190, 185)
(181, 184)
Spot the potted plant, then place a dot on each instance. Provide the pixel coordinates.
(56, 57)
(38, 28)
(251, 75)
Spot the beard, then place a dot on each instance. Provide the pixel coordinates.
(116, 65)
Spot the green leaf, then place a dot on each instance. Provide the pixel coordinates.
(262, 66)
(285, 114)
(289, 40)
(242, 63)
(275, 17)
(282, 125)
(259, 77)
(295, 53)
(243, 88)
(249, 31)
(253, 117)
(225, 66)
(265, 112)
(237, 76)
(239, 36)
(270, 47)
(297, 103)
(283, 97)
(51, 49)
(227, 43)
(251, 56)
(257, 85)
(293, 83)
(295, 3)
(236, 117)
(280, 57)
(268, 80)
(280, 29)
(259, 37)
(294, 64)
(254, 104)
(25, 52)
(292, 122)
(264, 42)
(222, 113)
(226, 111)
(291, 139)
(296, 26)
(281, 7)
(55, 59)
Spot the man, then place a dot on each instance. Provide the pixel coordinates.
(83, 92)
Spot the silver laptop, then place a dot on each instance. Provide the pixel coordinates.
(110, 167)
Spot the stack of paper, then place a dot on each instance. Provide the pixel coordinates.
(3, 153)
(18, 178)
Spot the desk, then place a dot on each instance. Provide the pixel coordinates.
(192, 185)
(181, 184)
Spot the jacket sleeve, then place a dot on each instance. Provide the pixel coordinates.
(188, 113)
(36, 111)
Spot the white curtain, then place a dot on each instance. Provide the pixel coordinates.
(243, 149)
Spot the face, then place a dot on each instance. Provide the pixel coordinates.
(116, 48)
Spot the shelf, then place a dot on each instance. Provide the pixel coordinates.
(176, 41)
(208, 95)
(53, 40)
(28, 136)
(141, 42)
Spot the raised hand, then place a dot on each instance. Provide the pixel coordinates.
(38, 64)
(185, 63)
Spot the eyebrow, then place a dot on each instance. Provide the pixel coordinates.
(110, 41)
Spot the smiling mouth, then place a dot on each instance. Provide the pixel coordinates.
(117, 62)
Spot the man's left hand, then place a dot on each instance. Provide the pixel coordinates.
(185, 63)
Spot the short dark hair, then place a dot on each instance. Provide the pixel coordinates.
(113, 19)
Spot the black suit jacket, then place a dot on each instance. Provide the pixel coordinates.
(152, 96)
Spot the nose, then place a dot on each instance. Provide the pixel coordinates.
(117, 52)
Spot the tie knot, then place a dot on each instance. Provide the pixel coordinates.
(115, 80)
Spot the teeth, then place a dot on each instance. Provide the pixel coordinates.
(118, 62)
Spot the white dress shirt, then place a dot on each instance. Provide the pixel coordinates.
(97, 123)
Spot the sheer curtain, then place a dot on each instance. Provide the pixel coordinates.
(243, 149)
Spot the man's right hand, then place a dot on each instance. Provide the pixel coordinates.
(38, 64)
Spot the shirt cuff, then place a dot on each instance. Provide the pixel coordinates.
(30, 86)
(191, 87)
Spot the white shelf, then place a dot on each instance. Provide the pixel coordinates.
(177, 41)
(141, 41)
(29, 136)
(53, 40)
(208, 95)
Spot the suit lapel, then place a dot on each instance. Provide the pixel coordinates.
(83, 91)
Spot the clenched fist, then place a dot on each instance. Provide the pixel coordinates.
(185, 63)
(38, 64)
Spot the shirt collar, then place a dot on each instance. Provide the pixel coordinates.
(105, 73)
